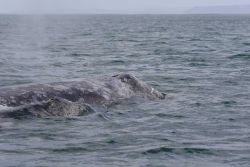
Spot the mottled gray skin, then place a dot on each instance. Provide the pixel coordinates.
(103, 91)
(53, 107)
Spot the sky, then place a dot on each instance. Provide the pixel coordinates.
(109, 6)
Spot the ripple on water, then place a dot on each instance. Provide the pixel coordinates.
(117, 62)
(183, 151)
(111, 141)
(231, 82)
(197, 64)
(81, 55)
(69, 150)
(246, 43)
(229, 103)
(163, 115)
(241, 56)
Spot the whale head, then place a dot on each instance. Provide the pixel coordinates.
(140, 87)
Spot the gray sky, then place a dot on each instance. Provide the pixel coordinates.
(108, 6)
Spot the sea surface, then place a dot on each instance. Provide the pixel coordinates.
(202, 63)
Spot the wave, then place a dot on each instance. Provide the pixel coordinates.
(244, 56)
(69, 150)
(179, 151)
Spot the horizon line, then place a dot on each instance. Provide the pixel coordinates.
(212, 13)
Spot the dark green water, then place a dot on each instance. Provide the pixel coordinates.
(202, 62)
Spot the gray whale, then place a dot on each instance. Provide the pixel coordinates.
(72, 98)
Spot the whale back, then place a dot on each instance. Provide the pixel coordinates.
(72, 98)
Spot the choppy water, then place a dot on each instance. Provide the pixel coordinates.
(202, 62)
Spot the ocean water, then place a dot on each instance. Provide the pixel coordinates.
(202, 63)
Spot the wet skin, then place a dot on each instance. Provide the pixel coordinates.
(71, 98)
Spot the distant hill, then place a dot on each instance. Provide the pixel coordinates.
(240, 9)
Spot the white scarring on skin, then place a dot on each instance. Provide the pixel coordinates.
(152, 90)
(2, 107)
